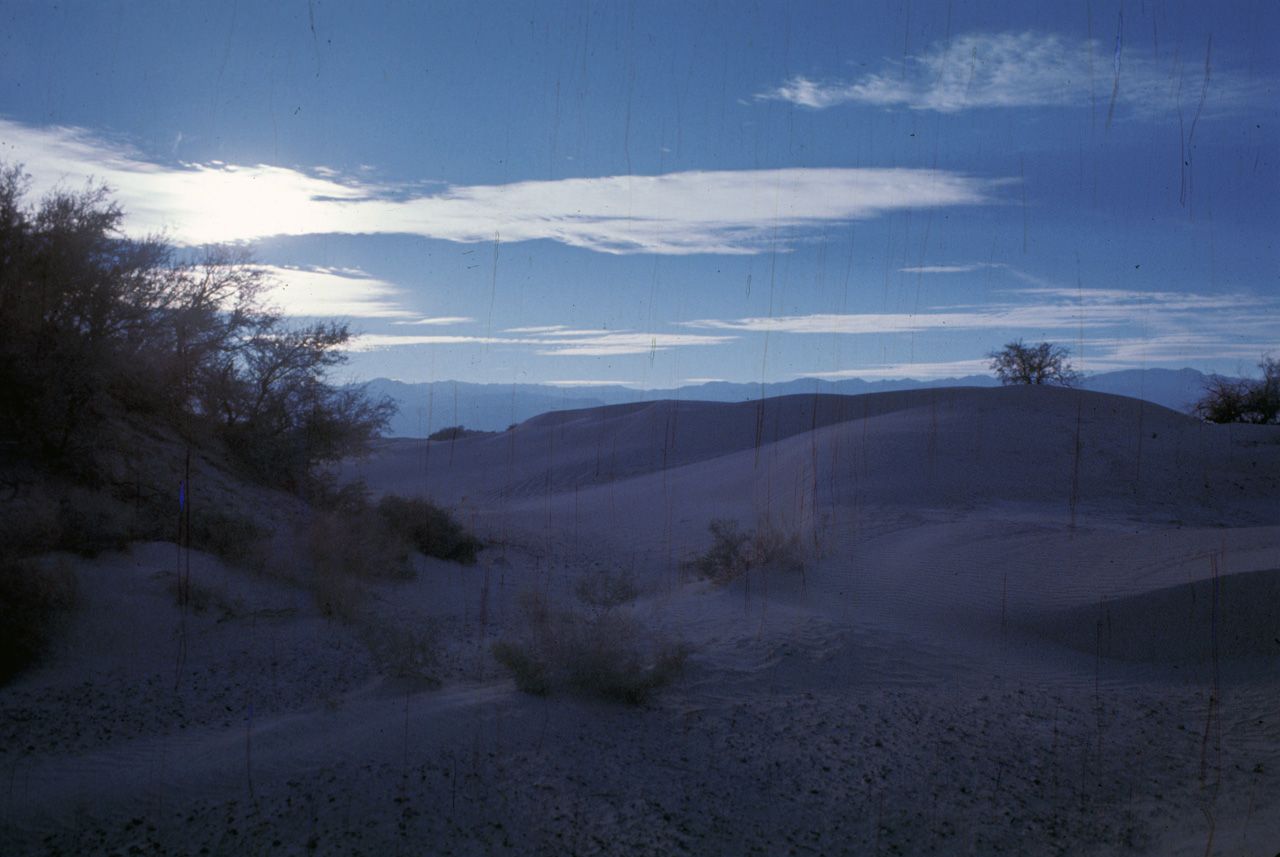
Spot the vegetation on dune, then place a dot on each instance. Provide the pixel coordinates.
(97, 328)
(131, 371)
(602, 651)
(1243, 400)
(1042, 363)
(427, 528)
(458, 433)
(734, 551)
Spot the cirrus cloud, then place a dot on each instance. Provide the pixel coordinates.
(553, 341)
(706, 211)
(1024, 69)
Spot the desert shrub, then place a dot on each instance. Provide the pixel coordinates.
(324, 492)
(777, 549)
(605, 654)
(199, 597)
(344, 552)
(606, 590)
(428, 529)
(94, 521)
(405, 653)
(531, 675)
(733, 551)
(727, 557)
(235, 538)
(337, 595)
(35, 597)
(358, 546)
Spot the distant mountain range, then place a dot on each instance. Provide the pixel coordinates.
(427, 407)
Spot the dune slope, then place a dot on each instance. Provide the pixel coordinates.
(1028, 621)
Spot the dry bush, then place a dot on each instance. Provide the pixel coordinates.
(353, 542)
(338, 596)
(357, 546)
(402, 653)
(607, 590)
(234, 538)
(605, 654)
(35, 597)
(428, 529)
(733, 551)
(728, 557)
(775, 548)
(199, 597)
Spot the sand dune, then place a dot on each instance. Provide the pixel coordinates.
(1029, 621)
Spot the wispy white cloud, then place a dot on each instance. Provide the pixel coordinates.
(551, 328)
(554, 342)
(917, 371)
(1036, 309)
(332, 292)
(723, 212)
(1022, 69)
(378, 341)
(440, 320)
(619, 343)
(948, 269)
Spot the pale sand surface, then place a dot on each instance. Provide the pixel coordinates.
(1030, 622)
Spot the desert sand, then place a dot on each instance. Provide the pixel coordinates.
(1029, 621)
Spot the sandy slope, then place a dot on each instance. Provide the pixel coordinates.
(1030, 621)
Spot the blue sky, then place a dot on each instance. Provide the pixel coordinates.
(664, 193)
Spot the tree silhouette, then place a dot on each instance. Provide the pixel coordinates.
(1242, 400)
(1044, 363)
(97, 328)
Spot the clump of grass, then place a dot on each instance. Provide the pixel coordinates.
(604, 654)
(733, 551)
(428, 529)
(35, 597)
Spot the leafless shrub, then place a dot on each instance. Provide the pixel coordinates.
(357, 546)
(733, 551)
(606, 654)
(235, 538)
(606, 591)
(338, 595)
(199, 597)
(405, 653)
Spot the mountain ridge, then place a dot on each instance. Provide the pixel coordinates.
(427, 407)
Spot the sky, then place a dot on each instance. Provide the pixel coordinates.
(666, 193)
